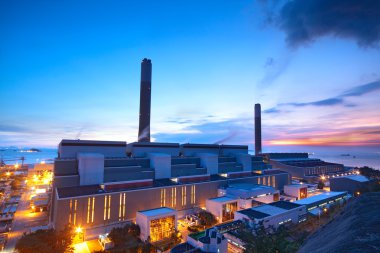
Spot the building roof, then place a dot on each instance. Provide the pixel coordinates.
(285, 205)
(269, 209)
(66, 142)
(158, 211)
(223, 199)
(358, 178)
(297, 185)
(319, 197)
(253, 214)
(83, 190)
(249, 187)
(76, 191)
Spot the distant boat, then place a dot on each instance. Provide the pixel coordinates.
(34, 150)
(345, 155)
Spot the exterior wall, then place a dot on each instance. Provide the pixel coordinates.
(295, 215)
(210, 162)
(245, 160)
(143, 149)
(90, 168)
(161, 163)
(346, 184)
(294, 191)
(142, 199)
(71, 148)
(66, 181)
(117, 174)
(65, 167)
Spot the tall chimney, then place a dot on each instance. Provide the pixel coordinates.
(145, 91)
(258, 149)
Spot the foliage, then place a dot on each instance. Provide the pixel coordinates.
(195, 228)
(206, 218)
(369, 172)
(46, 241)
(122, 235)
(321, 185)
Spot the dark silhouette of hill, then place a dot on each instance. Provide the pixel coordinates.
(355, 230)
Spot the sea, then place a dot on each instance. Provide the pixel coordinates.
(347, 155)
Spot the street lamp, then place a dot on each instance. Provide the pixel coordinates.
(78, 230)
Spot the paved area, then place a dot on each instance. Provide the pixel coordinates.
(24, 219)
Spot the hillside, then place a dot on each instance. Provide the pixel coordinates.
(357, 229)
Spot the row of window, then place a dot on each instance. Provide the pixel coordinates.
(267, 180)
(122, 204)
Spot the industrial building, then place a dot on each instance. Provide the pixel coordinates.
(315, 203)
(300, 166)
(353, 184)
(273, 215)
(101, 184)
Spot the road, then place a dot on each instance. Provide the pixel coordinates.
(24, 219)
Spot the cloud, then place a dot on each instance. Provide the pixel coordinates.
(305, 21)
(272, 110)
(338, 100)
(274, 68)
(362, 89)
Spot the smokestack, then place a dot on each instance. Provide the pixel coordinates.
(145, 91)
(258, 149)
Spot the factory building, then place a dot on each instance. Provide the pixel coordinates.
(318, 202)
(273, 215)
(102, 184)
(354, 184)
(300, 166)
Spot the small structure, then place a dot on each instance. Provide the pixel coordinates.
(223, 208)
(273, 214)
(210, 241)
(321, 201)
(157, 224)
(352, 183)
(249, 193)
(296, 190)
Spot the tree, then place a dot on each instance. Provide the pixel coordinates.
(206, 219)
(321, 185)
(45, 241)
(122, 235)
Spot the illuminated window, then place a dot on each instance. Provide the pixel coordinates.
(88, 209)
(161, 228)
(71, 209)
(163, 197)
(183, 195)
(93, 209)
(193, 194)
(174, 196)
(259, 180)
(107, 207)
(75, 212)
(274, 181)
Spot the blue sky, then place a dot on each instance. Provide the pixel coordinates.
(71, 69)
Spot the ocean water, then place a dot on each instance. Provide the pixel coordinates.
(14, 155)
(358, 156)
(349, 156)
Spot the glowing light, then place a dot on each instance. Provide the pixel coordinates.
(357, 172)
(323, 177)
(7, 173)
(42, 162)
(78, 230)
(16, 166)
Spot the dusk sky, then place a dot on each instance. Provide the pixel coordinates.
(71, 69)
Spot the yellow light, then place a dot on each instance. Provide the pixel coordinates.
(357, 172)
(323, 177)
(325, 209)
(7, 173)
(78, 230)
(42, 162)
(16, 165)
(358, 193)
